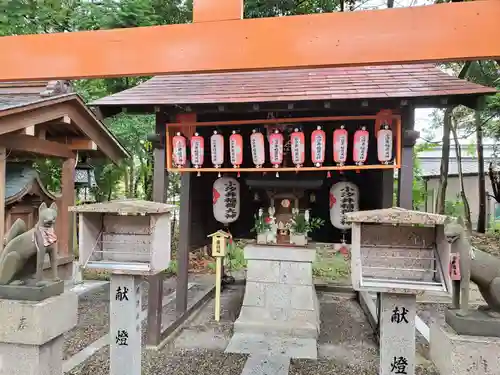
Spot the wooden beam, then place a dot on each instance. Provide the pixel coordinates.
(27, 143)
(76, 144)
(388, 36)
(3, 162)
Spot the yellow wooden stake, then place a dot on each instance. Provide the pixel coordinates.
(218, 279)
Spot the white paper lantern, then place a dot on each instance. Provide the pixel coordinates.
(276, 148)
(197, 150)
(226, 200)
(217, 149)
(297, 141)
(340, 142)
(344, 198)
(384, 144)
(258, 148)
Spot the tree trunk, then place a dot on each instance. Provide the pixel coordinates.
(445, 153)
(458, 151)
(445, 160)
(481, 220)
(390, 3)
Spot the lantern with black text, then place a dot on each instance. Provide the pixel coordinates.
(197, 151)
(360, 149)
(318, 145)
(226, 200)
(344, 198)
(384, 144)
(179, 150)
(340, 142)
(236, 149)
(276, 149)
(217, 149)
(257, 147)
(297, 142)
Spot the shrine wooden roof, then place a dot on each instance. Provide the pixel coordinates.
(368, 82)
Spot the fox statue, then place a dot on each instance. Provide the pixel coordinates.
(24, 250)
(481, 268)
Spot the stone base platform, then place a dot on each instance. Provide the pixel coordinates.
(31, 292)
(280, 299)
(31, 334)
(455, 354)
(476, 323)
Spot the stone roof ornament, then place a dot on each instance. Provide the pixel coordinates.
(58, 87)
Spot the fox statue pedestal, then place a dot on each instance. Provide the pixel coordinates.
(31, 334)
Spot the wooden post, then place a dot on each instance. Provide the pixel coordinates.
(155, 293)
(3, 162)
(405, 179)
(184, 228)
(65, 241)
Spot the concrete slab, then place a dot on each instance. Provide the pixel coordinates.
(266, 365)
(30, 292)
(476, 323)
(262, 344)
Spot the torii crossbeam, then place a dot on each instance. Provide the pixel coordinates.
(219, 40)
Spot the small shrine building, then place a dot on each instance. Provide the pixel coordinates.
(304, 155)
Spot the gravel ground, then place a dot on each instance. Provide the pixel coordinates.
(93, 317)
(346, 344)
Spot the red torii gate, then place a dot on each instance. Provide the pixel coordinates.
(434, 33)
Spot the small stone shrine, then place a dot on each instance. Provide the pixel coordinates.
(398, 253)
(131, 239)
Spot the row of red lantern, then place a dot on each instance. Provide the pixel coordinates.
(276, 144)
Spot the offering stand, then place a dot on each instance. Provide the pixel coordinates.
(130, 239)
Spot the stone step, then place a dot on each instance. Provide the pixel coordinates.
(266, 365)
(277, 328)
(259, 344)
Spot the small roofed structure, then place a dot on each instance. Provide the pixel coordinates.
(395, 250)
(48, 119)
(24, 192)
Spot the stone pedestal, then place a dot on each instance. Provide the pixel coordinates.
(280, 299)
(397, 333)
(31, 334)
(455, 354)
(125, 325)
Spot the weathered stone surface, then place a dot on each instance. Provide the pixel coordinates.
(31, 334)
(280, 298)
(476, 323)
(32, 292)
(20, 359)
(35, 323)
(396, 215)
(397, 333)
(261, 344)
(461, 354)
(266, 365)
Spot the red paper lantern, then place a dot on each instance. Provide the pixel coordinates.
(236, 149)
(318, 145)
(340, 143)
(384, 144)
(276, 148)
(258, 148)
(360, 150)
(197, 151)
(179, 151)
(297, 141)
(217, 149)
